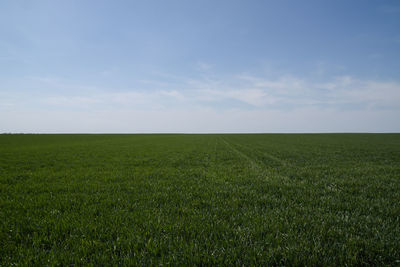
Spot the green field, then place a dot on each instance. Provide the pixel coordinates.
(265, 199)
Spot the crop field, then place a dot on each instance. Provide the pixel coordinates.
(239, 199)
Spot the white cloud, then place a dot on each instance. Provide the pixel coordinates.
(134, 100)
(284, 104)
(295, 92)
(257, 92)
(202, 66)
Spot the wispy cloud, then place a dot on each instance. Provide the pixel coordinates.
(293, 92)
(282, 104)
(254, 92)
(202, 66)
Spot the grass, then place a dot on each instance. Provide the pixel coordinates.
(273, 199)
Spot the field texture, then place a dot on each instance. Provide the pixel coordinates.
(323, 199)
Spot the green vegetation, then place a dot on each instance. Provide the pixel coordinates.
(284, 199)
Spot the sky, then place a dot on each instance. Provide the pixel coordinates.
(201, 66)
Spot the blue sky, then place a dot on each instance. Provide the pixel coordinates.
(200, 66)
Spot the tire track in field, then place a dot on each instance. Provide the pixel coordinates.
(254, 165)
(268, 155)
(260, 167)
